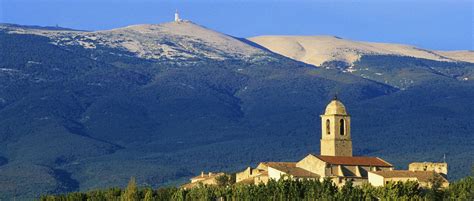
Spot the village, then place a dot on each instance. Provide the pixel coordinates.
(335, 162)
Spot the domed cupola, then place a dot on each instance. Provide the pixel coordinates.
(335, 107)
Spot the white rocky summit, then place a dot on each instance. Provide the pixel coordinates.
(177, 40)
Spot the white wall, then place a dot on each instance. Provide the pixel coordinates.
(375, 179)
(275, 174)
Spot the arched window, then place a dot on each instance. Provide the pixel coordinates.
(328, 127)
(342, 129)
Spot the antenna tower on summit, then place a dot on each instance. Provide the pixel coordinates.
(176, 16)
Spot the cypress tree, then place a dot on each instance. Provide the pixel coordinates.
(148, 195)
(131, 192)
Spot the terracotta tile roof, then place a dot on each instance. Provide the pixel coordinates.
(279, 164)
(422, 176)
(354, 160)
(291, 169)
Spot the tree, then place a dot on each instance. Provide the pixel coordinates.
(148, 195)
(131, 192)
(282, 189)
(461, 190)
(223, 180)
(165, 194)
(436, 182)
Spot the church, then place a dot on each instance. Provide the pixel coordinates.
(336, 161)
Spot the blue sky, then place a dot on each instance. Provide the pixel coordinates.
(434, 24)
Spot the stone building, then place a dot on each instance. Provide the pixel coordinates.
(341, 169)
(279, 170)
(422, 172)
(253, 175)
(441, 168)
(273, 170)
(204, 179)
(424, 178)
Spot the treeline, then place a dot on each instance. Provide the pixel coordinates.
(280, 190)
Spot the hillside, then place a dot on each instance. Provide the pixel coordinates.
(467, 56)
(82, 110)
(173, 41)
(316, 50)
(401, 66)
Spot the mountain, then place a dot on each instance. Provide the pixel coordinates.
(174, 41)
(81, 110)
(400, 66)
(316, 50)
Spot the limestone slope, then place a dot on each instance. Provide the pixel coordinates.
(466, 55)
(316, 50)
(173, 41)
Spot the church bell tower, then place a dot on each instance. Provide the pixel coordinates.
(336, 130)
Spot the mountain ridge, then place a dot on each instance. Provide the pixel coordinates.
(334, 48)
(166, 41)
(316, 50)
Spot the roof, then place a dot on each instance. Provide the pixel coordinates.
(354, 160)
(422, 176)
(260, 172)
(335, 107)
(206, 175)
(291, 169)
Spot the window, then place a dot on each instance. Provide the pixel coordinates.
(342, 127)
(328, 127)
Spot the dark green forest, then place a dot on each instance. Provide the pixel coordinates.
(280, 190)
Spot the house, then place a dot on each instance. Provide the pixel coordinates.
(341, 169)
(425, 173)
(253, 175)
(203, 179)
(441, 168)
(290, 170)
(424, 178)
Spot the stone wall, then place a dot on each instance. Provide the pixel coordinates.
(441, 168)
(314, 165)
